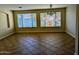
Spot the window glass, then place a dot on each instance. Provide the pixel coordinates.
(50, 21)
(27, 20)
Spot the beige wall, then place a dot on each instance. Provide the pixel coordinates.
(4, 30)
(71, 20)
(38, 28)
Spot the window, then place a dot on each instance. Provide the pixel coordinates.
(27, 20)
(50, 21)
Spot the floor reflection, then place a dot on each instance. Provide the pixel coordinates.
(38, 44)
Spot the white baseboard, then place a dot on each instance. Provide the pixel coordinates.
(71, 34)
(6, 35)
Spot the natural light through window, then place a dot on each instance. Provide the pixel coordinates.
(50, 21)
(27, 20)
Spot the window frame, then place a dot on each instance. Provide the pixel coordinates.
(50, 26)
(38, 28)
(22, 24)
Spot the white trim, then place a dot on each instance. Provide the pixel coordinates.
(71, 34)
(6, 35)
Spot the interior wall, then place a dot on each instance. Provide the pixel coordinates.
(38, 28)
(77, 38)
(4, 30)
(71, 20)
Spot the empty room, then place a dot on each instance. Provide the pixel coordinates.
(37, 29)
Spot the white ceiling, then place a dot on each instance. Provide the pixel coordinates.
(29, 6)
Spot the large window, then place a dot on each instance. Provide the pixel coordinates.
(27, 20)
(50, 21)
(40, 20)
